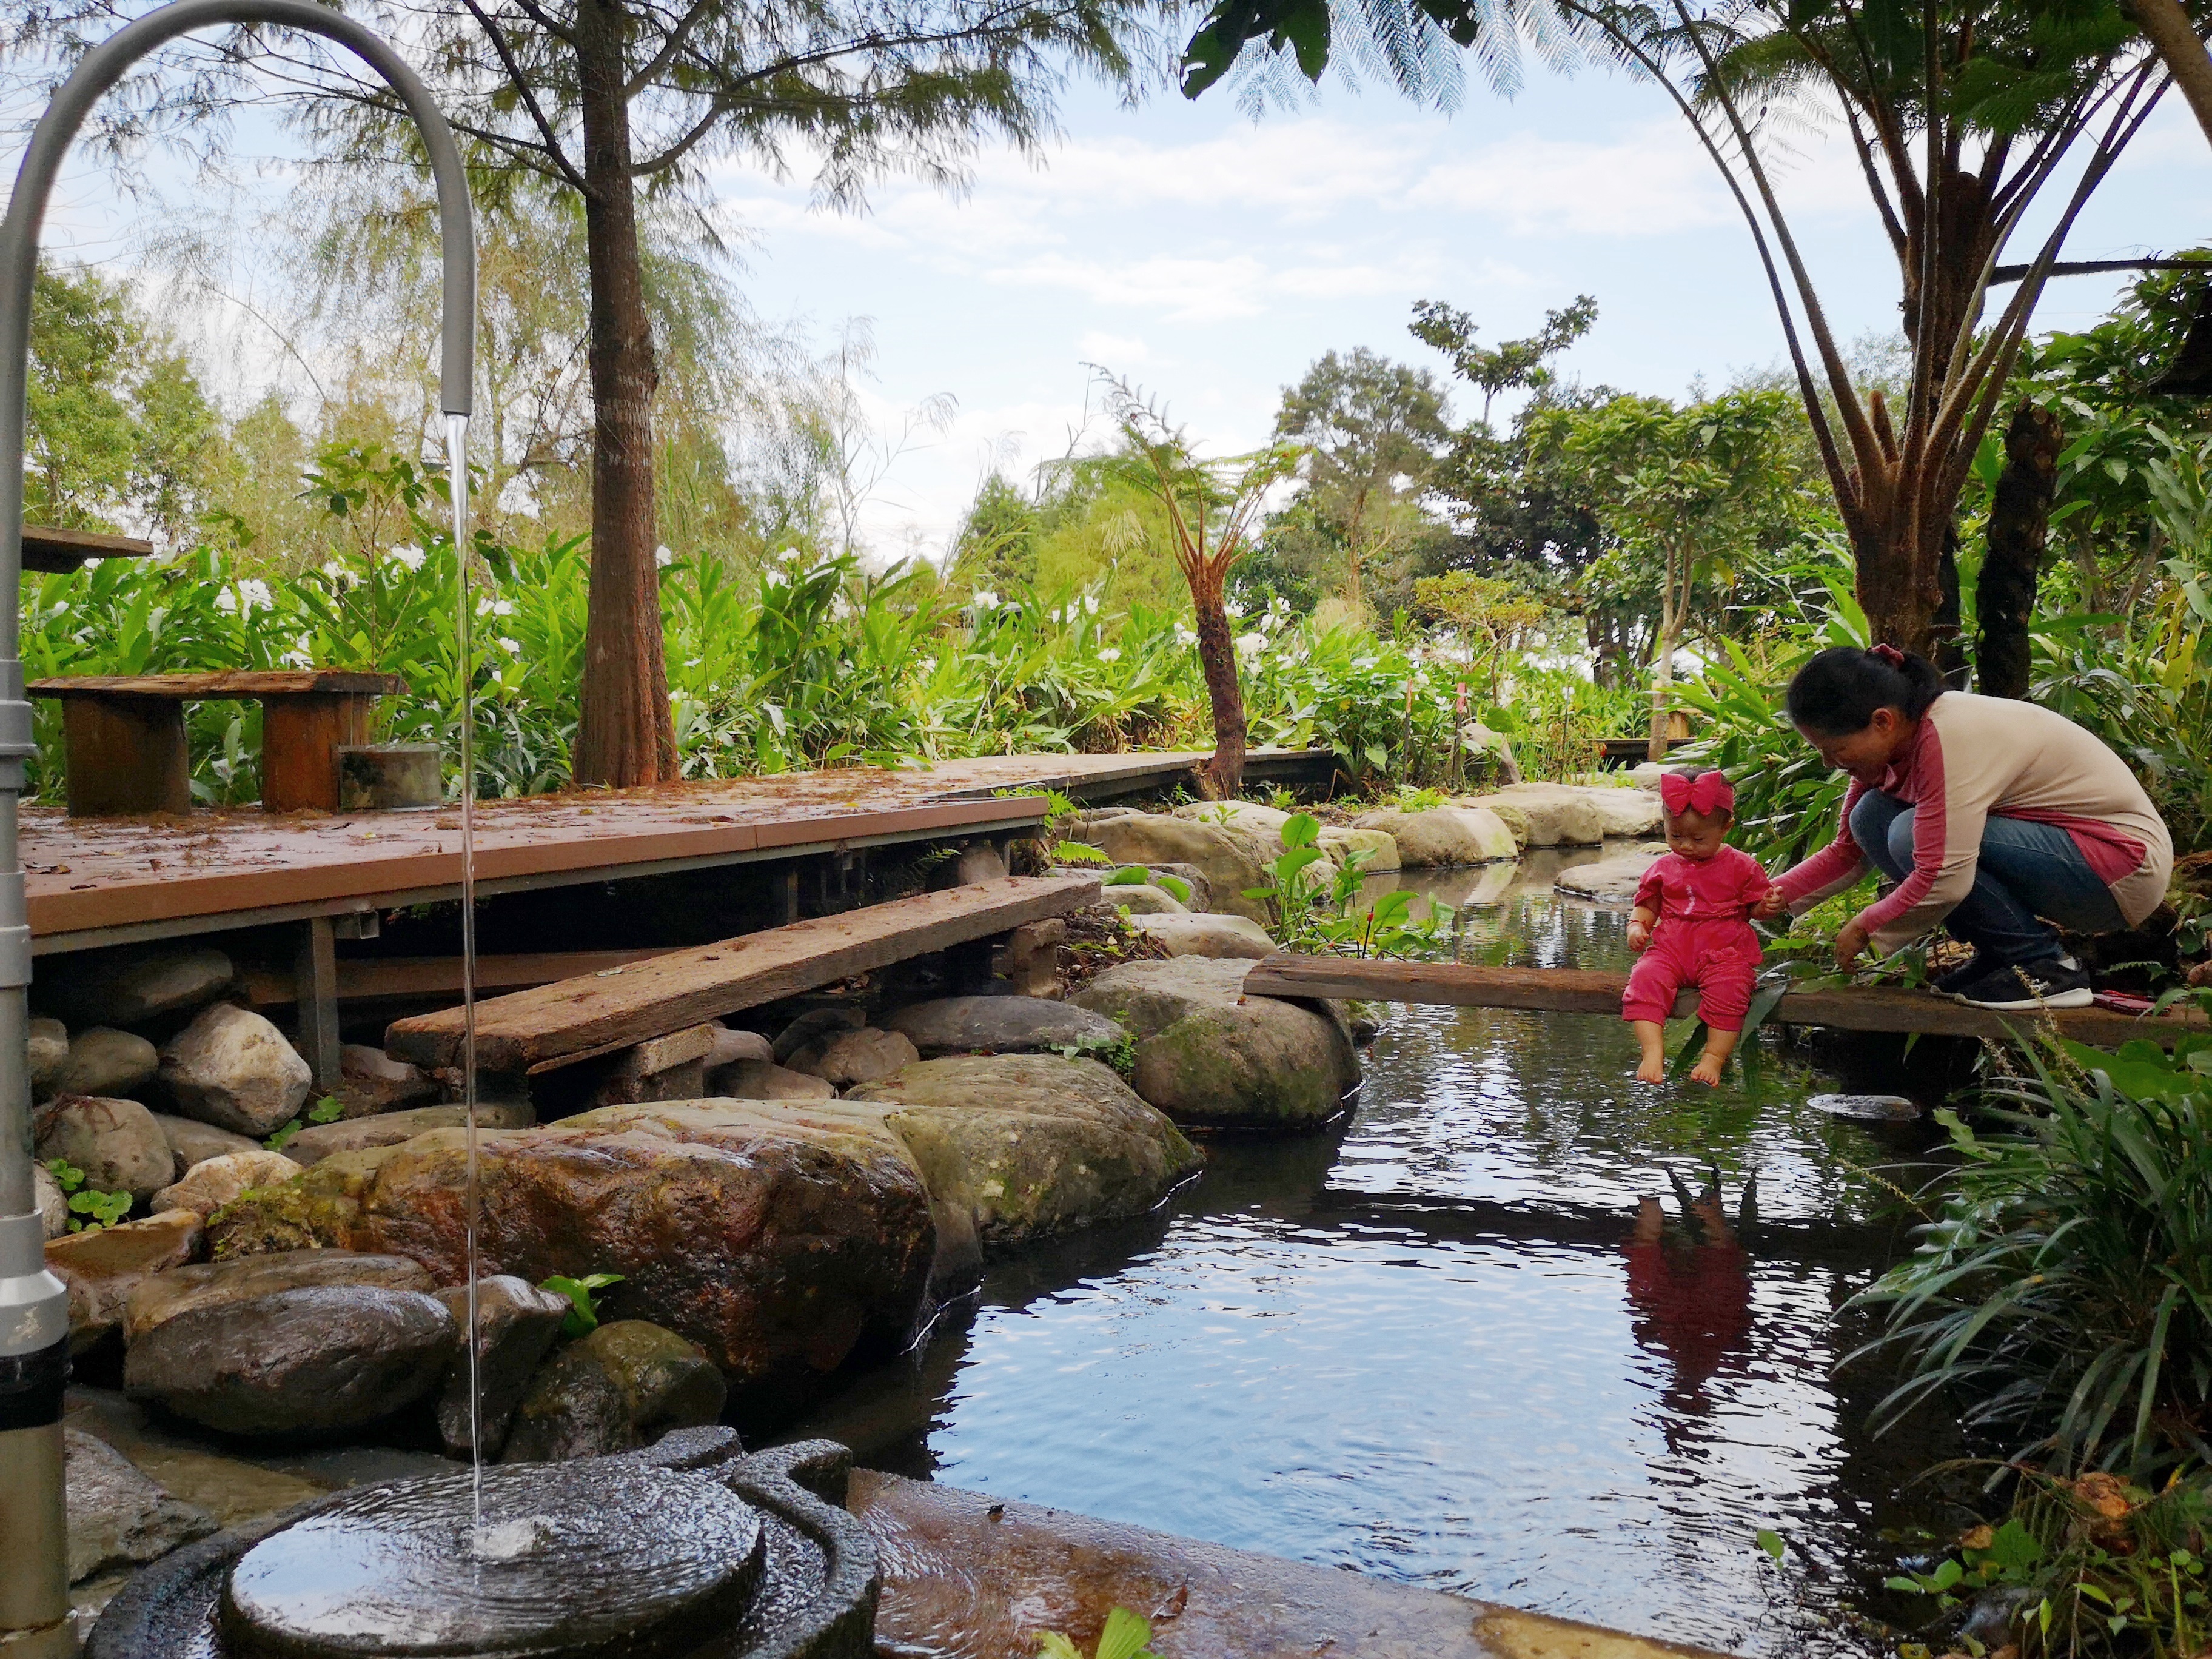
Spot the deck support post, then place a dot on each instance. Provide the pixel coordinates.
(315, 983)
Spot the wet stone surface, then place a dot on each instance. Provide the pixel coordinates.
(564, 1561)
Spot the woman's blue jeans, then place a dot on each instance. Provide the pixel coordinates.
(2027, 873)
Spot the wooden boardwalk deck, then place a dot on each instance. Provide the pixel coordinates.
(109, 881)
(1583, 991)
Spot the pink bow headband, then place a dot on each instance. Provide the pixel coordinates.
(1706, 794)
(1888, 653)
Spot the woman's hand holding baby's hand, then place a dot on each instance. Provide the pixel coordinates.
(1639, 935)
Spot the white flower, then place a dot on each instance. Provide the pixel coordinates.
(333, 570)
(255, 592)
(409, 554)
(92, 563)
(513, 647)
(663, 557)
(1251, 645)
(226, 601)
(1184, 636)
(1110, 654)
(985, 599)
(1091, 603)
(495, 607)
(789, 555)
(1230, 608)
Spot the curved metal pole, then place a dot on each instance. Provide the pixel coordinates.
(34, 1307)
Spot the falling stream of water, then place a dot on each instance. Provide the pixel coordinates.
(457, 473)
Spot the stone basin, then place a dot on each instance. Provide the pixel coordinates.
(689, 1551)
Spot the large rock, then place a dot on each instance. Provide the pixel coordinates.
(1210, 936)
(516, 1324)
(755, 1079)
(1263, 823)
(101, 1268)
(1005, 1026)
(371, 1082)
(320, 1361)
(52, 1202)
(732, 1047)
(207, 1186)
(319, 1210)
(167, 1296)
(1033, 1144)
(1140, 900)
(234, 1070)
(106, 1061)
(1629, 811)
(117, 1516)
(778, 1244)
(863, 1056)
(1554, 814)
(192, 1141)
(1607, 881)
(621, 1387)
(1229, 859)
(132, 987)
(1206, 1054)
(49, 1048)
(1379, 848)
(320, 1140)
(115, 1142)
(1442, 836)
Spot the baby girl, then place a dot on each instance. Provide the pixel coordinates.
(1692, 926)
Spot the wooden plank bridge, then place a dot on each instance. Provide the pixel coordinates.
(1584, 991)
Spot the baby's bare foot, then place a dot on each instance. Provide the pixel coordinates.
(1707, 1071)
(1653, 1070)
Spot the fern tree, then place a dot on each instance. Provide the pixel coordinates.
(1962, 113)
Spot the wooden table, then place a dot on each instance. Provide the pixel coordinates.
(125, 734)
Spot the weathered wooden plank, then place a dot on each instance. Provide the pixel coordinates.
(222, 683)
(686, 987)
(125, 758)
(1584, 991)
(47, 549)
(433, 977)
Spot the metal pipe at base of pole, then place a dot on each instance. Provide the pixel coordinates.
(35, 1599)
(34, 1621)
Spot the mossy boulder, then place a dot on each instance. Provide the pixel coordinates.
(780, 1240)
(318, 1209)
(1230, 858)
(621, 1388)
(1209, 1056)
(1028, 1145)
(1444, 837)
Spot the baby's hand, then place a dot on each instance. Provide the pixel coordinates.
(1770, 905)
(1639, 935)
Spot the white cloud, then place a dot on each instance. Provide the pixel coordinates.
(1097, 347)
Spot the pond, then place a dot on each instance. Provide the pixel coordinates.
(1424, 1346)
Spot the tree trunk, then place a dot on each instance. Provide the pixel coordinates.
(626, 737)
(1948, 629)
(1217, 656)
(2019, 531)
(2174, 37)
(1662, 682)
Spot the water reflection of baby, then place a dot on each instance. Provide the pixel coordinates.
(1691, 1305)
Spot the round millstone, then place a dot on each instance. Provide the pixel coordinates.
(585, 1560)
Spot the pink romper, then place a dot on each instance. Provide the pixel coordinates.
(1703, 938)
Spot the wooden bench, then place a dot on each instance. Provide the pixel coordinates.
(1587, 991)
(124, 734)
(530, 1032)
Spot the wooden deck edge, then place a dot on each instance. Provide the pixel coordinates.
(616, 1008)
(1581, 991)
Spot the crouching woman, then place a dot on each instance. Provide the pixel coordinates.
(1994, 818)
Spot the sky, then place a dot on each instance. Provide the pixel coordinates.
(1210, 258)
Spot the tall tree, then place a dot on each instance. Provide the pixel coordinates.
(1960, 114)
(1213, 507)
(614, 98)
(1682, 489)
(1373, 431)
(1511, 364)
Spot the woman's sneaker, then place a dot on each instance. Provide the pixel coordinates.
(1957, 979)
(2052, 983)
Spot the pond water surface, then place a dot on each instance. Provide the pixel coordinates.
(1423, 1345)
